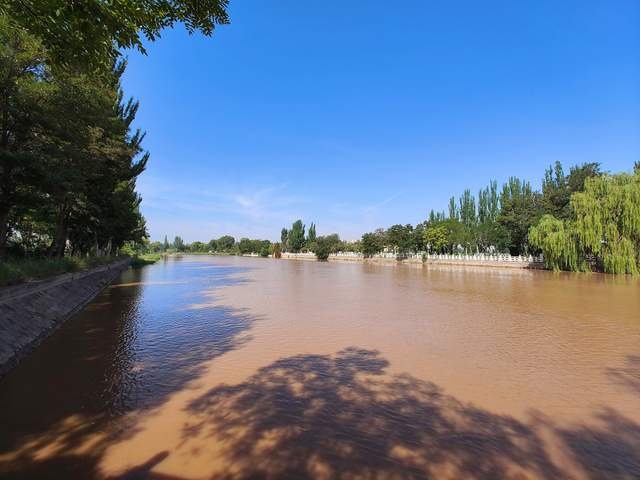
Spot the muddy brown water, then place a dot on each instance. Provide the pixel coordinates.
(238, 368)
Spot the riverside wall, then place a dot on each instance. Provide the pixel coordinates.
(481, 260)
(32, 311)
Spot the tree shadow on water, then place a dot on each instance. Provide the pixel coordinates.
(87, 385)
(609, 451)
(322, 416)
(629, 375)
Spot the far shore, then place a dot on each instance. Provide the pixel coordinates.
(471, 260)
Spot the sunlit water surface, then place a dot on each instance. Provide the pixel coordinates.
(237, 368)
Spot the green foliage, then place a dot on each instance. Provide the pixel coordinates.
(265, 249)
(324, 246)
(556, 239)
(311, 235)
(68, 155)
(488, 204)
(400, 238)
(146, 259)
(295, 238)
(225, 243)
(453, 209)
(178, 244)
(276, 250)
(372, 243)
(245, 246)
(608, 220)
(604, 224)
(558, 188)
(520, 208)
(491, 236)
(355, 246)
(17, 271)
(468, 209)
(90, 33)
(197, 247)
(436, 238)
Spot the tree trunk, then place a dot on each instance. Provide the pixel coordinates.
(60, 239)
(4, 231)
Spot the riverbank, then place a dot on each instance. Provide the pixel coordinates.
(30, 312)
(490, 261)
(14, 272)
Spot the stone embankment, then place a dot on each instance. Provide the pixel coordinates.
(477, 260)
(30, 312)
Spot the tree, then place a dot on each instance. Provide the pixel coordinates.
(453, 210)
(372, 244)
(295, 238)
(92, 159)
(435, 238)
(244, 246)
(165, 245)
(334, 242)
(468, 209)
(324, 247)
(607, 222)
(265, 249)
(155, 247)
(436, 216)
(92, 31)
(22, 69)
(284, 236)
(605, 225)
(68, 155)
(418, 237)
(520, 208)
(178, 244)
(400, 237)
(491, 236)
(557, 241)
(558, 188)
(197, 247)
(311, 236)
(225, 243)
(488, 203)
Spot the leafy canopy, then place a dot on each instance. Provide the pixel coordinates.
(90, 32)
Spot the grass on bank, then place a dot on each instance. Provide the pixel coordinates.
(21, 270)
(146, 259)
(16, 271)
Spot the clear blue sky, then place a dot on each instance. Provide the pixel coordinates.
(360, 114)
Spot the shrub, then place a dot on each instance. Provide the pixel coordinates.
(323, 248)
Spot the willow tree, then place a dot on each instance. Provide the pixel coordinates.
(558, 242)
(605, 225)
(608, 220)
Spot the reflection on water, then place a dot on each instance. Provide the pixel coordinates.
(236, 368)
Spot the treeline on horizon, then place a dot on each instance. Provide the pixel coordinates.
(69, 157)
(586, 220)
(226, 245)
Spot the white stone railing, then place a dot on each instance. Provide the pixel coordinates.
(481, 257)
(475, 257)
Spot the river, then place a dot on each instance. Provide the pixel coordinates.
(238, 368)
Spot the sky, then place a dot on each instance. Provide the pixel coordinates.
(362, 114)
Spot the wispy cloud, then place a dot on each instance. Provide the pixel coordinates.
(206, 212)
(252, 209)
(376, 206)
